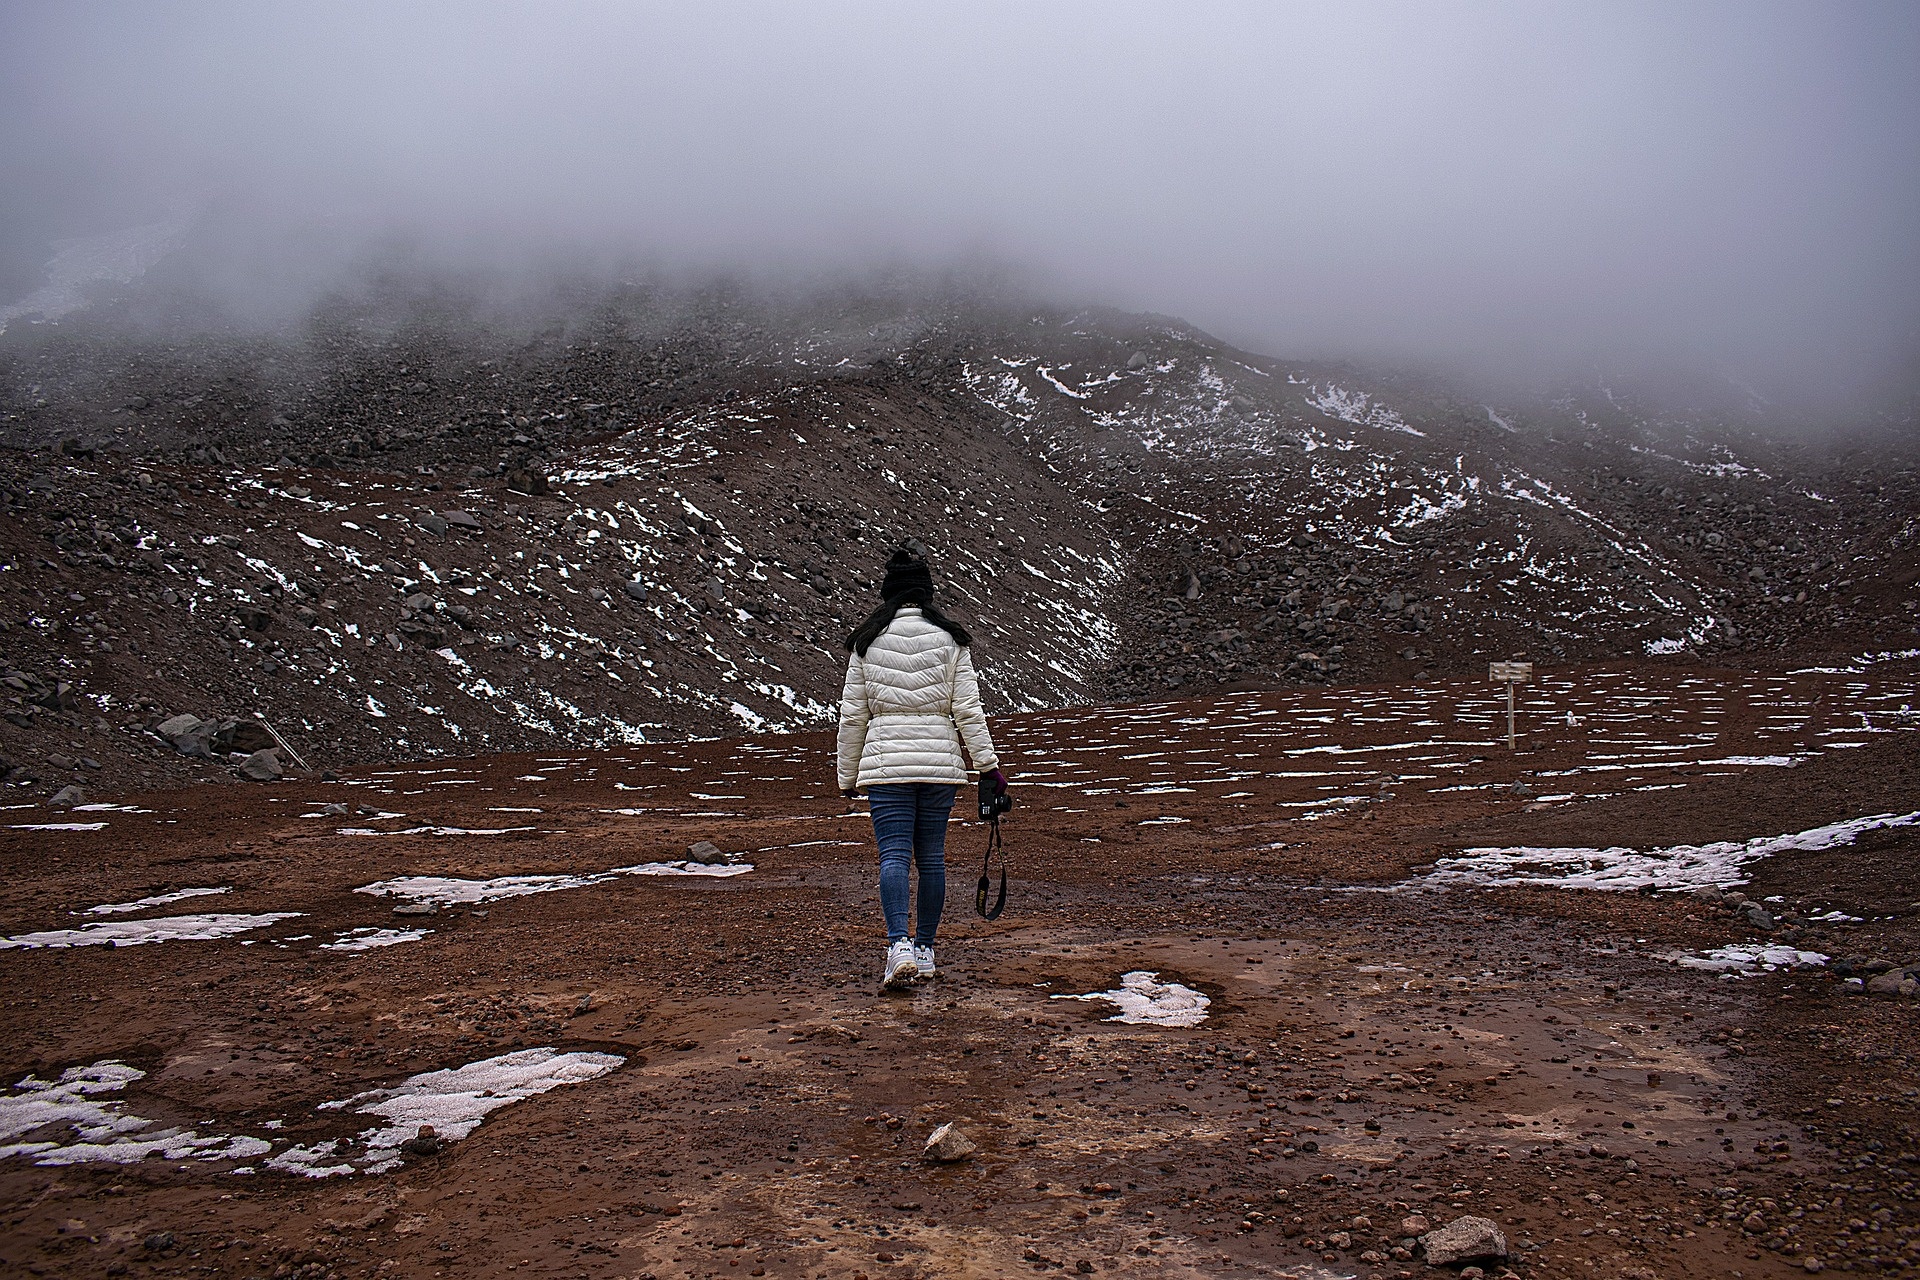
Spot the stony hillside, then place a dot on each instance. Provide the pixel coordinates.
(405, 530)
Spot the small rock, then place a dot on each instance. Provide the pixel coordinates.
(434, 524)
(1811, 1263)
(334, 809)
(160, 1242)
(636, 589)
(947, 1144)
(1340, 1240)
(68, 797)
(706, 853)
(1415, 1224)
(416, 909)
(261, 766)
(1462, 1240)
(423, 1143)
(1754, 1222)
(1886, 984)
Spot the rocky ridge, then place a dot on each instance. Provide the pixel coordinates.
(404, 533)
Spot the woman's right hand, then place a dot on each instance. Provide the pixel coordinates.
(999, 782)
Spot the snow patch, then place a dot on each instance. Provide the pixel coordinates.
(1143, 999)
(158, 900)
(135, 933)
(76, 1126)
(1745, 958)
(1683, 866)
(369, 938)
(447, 891)
(453, 1101)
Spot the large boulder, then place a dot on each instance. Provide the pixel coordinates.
(244, 736)
(188, 734)
(531, 483)
(1465, 1239)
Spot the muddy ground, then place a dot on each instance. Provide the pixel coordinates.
(1375, 1048)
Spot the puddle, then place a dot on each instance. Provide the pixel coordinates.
(136, 933)
(1143, 999)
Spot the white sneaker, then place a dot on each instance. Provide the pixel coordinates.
(901, 970)
(923, 961)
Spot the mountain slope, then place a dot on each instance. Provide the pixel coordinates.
(407, 532)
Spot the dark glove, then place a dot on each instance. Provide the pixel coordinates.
(999, 782)
(851, 793)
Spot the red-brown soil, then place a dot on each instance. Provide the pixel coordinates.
(1528, 1054)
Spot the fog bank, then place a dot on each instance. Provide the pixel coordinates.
(1730, 189)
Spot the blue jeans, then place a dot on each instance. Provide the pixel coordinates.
(910, 826)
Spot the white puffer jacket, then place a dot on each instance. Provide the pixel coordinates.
(907, 706)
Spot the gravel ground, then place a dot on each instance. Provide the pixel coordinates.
(1383, 1040)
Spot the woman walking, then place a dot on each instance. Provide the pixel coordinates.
(910, 703)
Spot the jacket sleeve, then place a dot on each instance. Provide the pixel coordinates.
(853, 724)
(969, 718)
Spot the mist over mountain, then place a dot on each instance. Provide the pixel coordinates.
(1717, 198)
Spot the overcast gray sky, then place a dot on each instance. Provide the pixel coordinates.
(1735, 187)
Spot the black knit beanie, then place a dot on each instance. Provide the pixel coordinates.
(906, 573)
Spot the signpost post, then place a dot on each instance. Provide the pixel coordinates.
(1510, 673)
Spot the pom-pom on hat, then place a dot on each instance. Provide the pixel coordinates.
(907, 572)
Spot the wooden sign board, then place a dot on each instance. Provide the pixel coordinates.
(1510, 672)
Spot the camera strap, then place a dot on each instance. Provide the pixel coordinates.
(994, 845)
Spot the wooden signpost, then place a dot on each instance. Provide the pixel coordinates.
(1511, 674)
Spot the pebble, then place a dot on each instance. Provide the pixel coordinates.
(947, 1144)
(1462, 1240)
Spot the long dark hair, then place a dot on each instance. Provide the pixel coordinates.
(880, 619)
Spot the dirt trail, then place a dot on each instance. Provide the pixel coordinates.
(1377, 1044)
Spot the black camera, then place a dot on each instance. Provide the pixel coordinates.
(994, 800)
